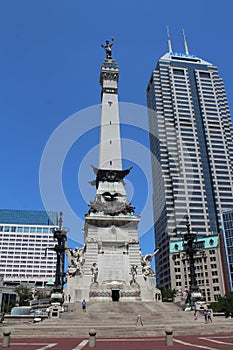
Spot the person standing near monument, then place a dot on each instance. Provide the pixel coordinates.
(195, 315)
(209, 317)
(139, 320)
(84, 305)
(205, 316)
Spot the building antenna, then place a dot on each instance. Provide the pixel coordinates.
(169, 41)
(186, 49)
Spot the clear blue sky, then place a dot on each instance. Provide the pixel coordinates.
(50, 60)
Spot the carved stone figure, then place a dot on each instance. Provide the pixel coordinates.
(94, 271)
(146, 265)
(75, 269)
(76, 261)
(108, 48)
(133, 273)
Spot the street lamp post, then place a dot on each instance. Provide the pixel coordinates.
(60, 235)
(190, 250)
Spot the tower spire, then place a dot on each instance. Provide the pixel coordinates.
(185, 43)
(110, 157)
(110, 141)
(169, 42)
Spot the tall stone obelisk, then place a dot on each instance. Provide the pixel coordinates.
(110, 265)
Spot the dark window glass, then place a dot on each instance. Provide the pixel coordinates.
(204, 75)
(178, 71)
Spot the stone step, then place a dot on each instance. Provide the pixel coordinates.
(124, 306)
(124, 330)
(118, 320)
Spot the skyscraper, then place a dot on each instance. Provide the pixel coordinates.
(191, 142)
(227, 222)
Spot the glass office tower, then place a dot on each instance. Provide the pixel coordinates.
(227, 222)
(192, 151)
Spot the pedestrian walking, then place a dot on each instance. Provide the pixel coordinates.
(84, 305)
(195, 315)
(209, 318)
(139, 320)
(205, 316)
(69, 298)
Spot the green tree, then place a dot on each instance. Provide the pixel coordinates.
(167, 294)
(6, 308)
(24, 295)
(43, 294)
(224, 304)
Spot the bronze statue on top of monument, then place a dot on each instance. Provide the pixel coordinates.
(108, 48)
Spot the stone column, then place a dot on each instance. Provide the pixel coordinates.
(169, 336)
(92, 338)
(6, 338)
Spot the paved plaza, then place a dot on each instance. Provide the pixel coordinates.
(115, 325)
(210, 342)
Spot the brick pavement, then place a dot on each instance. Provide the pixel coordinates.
(221, 342)
(205, 342)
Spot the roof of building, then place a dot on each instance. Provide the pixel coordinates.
(177, 56)
(28, 217)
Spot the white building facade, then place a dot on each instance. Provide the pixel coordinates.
(26, 246)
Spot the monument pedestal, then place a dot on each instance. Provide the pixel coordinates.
(112, 267)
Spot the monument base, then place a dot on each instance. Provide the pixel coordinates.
(79, 288)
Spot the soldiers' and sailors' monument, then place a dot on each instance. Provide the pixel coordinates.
(110, 265)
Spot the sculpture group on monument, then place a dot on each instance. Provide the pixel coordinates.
(110, 265)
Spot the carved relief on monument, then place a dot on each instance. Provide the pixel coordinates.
(110, 76)
(111, 204)
(111, 207)
(100, 293)
(133, 241)
(131, 293)
(113, 229)
(133, 273)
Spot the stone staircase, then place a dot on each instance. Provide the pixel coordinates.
(117, 319)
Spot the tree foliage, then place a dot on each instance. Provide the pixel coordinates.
(6, 308)
(24, 295)
(42, 294)
(224, 304)
(167, 294)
